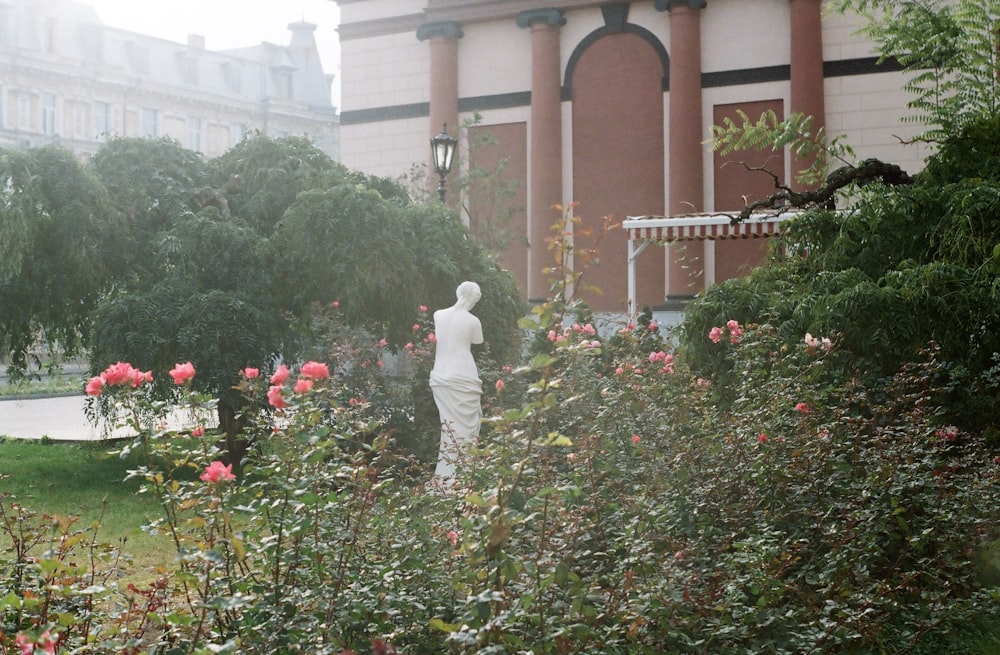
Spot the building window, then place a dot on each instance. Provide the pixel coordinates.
(189, 68)
(102, 120)
(92, 38)
(233, 74)
(79, 120)
(23, 113)
(48, 114)
(244, 131)
(194, 133)
(147, 122)
(138, 57)
(218, 140)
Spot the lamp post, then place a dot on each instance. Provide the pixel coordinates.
(443, 151)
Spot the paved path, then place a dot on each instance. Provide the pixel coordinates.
(61, 419)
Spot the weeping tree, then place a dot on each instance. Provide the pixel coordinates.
(232, 257)
(56, 224)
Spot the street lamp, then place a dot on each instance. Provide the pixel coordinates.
(443, 150)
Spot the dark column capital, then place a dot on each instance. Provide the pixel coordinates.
(667, 5)
(529, 17)
(449, 29)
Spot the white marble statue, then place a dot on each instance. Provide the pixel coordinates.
(455, 379)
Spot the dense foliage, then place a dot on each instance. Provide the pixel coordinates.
(152, 255)
(616, 503)
(897, 269)
(56, 220)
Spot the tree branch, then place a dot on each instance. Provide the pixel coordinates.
(864, 173)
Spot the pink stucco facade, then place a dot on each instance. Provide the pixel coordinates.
(615, 102)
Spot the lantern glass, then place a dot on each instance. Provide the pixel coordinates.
(443, 150)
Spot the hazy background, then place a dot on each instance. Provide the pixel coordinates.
(229, 23)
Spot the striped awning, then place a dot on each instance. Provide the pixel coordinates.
(703, 227)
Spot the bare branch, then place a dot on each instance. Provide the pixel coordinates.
(864, 173)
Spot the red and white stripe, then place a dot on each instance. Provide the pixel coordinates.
(703, 227)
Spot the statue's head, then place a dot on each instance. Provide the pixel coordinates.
(468, 293)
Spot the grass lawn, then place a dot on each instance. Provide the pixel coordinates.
(74, 480)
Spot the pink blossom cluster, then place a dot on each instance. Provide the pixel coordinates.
(716, 334)
(627, 367)
(181, 373)
(586, 330)
(216, 472)
(812, 342)
(46, 642)
(118, 374)
(665, 359)
(948, 433)
(309, 373)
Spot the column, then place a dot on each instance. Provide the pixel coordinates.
(686, 180)
(807, 93)
(443, 37)
(545, 141)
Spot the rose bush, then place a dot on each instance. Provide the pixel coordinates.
(616, 503)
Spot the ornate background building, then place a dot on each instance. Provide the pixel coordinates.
(610, 104)
(67, 77)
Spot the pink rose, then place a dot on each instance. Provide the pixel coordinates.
(118, 373)
(217, 471)
(280, 375)
(251, 373)
(500, 385)
(335, 304)
(715, 335)
(811, 341)
(94, 386)
(431, 338)
(635, 438)
(416, 326)
(303, 385)
(761, 438)
(274, 397)
(315, 370)
(735, 331)
(181, 373)
(423, 309)
(198, 432)
(802, 408)
(453, 537)
(137, 377)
